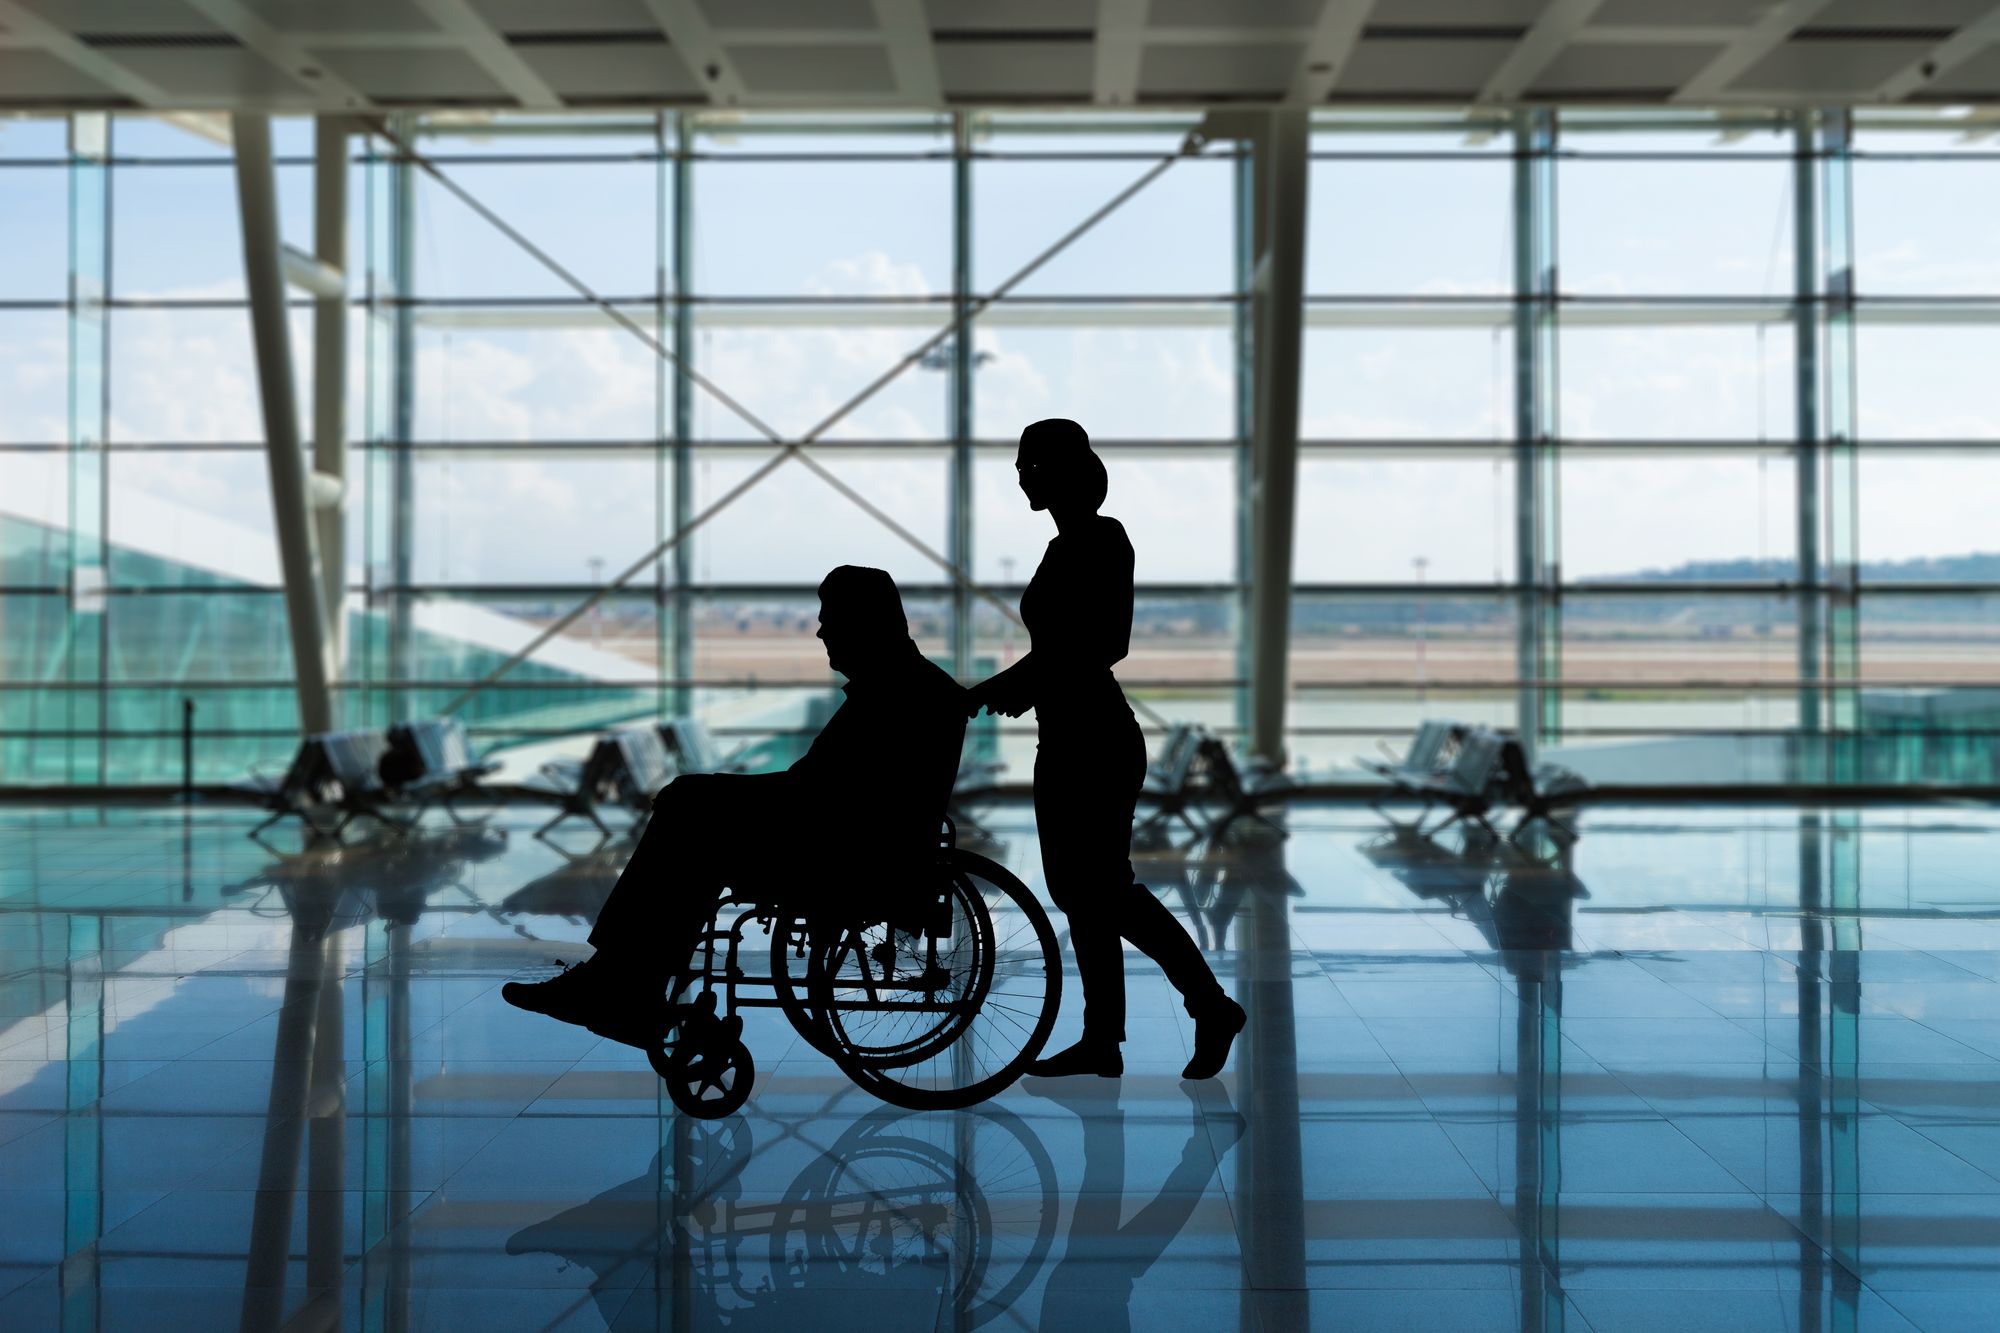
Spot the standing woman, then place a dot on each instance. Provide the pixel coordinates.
(1090, 761)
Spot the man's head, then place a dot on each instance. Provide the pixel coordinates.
(861, 618)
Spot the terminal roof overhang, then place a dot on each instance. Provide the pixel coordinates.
(300, 56)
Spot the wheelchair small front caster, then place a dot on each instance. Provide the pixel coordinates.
(708, 1079)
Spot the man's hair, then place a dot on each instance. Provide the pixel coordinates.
(867, 598)
(1078, 470)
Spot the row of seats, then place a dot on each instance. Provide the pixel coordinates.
(1471, 770)
(626, 767)
(392, 776)
(1199, 780)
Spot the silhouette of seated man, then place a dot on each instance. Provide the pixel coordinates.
(859, 810)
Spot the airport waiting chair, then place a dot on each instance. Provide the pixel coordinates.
(1428, 759)
(1420, 761)
(1540, 790)
(625, 768)
(1243, 790)
(1172, 785)
(693, 749)
(1472, 785)
(430, 762)
(334, 776)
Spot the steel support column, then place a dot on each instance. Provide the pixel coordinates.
(1806, 324)
(958, 548)
(684, 397)
(330, 375)
(85, 710)
(1537, 518)
(1839, 494)
(1279, 181)
(263, 262)
(402, 376)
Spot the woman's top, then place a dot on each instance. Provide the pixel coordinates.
(1078, 610)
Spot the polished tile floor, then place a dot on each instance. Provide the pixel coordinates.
(1707, 1068)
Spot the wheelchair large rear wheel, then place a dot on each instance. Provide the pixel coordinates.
(967, 1029)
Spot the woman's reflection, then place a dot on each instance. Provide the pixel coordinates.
(1106, 1253)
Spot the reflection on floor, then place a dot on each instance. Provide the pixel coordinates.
(1718, 1067)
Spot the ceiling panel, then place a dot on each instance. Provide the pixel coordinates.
(528, 16)
(838, 15)
(402, 75)
(1427, 70)
(1681, 13)
(1017, 16)
(1901, 13)
(1456, 13)
(1008, 71)
(1976, 79)
(1233, 13)
(803, 70)
(30, 76)
(137, 17)
(626, 71)
(388, 16)
(1263, 70)
(1617, 70)
(215, 77)
(1804, 68)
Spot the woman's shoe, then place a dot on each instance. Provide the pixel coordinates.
(1082, 1058)
(1215, 1031)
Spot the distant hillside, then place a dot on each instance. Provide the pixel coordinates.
(1974, 567)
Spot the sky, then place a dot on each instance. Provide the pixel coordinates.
(1716, 227)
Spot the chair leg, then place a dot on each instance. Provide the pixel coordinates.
(1455, 816)
(561, 815)
(1270, 823)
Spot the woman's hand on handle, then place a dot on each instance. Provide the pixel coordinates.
(1004, 695)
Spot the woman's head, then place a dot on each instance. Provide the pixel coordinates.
(1058, 469)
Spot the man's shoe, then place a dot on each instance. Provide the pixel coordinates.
(1214, 1032)
(589, 995)
(1082, 1058)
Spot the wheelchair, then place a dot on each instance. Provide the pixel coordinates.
(936, 1001)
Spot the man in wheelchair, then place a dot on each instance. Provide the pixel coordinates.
(868, 797)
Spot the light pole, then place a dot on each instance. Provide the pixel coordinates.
(596, 564)
(1422, 563)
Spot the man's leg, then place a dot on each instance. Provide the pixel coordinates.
(666, 895)
(652, 920)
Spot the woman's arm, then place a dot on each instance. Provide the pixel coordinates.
(1008, 693)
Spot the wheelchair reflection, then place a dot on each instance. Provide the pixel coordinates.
(905, 1215)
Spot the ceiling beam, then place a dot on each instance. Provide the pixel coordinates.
(490, 51)
(1327, 51)
(1950, 53)
(31, 30)
(1543, 42)
(1121, 40)
(1752, 45)
(694, 41)
(912, 57)
(282, 50)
